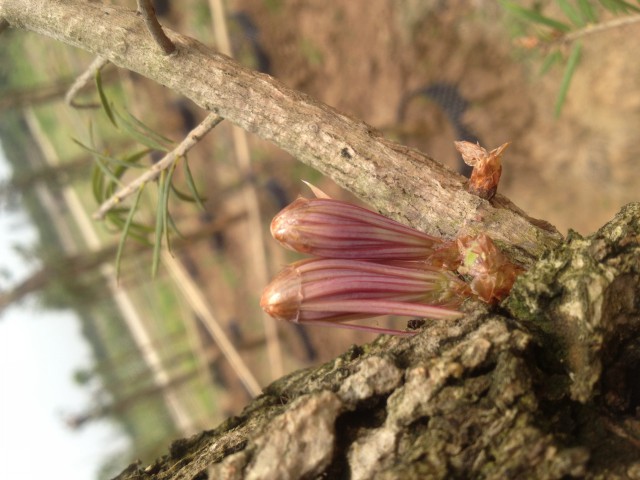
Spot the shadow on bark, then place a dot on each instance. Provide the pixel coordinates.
(543, 387)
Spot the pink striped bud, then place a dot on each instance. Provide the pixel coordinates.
(334, 229)
(328, 291)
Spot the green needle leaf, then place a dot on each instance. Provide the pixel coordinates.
(530, 15)
(549, 61)
(103, 99)
(185, 197)
(137, 231)
(572, 14)
(174, 227)
(101, 161)
(143, 134)
(148, 130)
(97, 184)
(165, 205)
(126, 229)
(572, 63)
(616, 6)
(192, 185)
(157, 244)
(587, 10)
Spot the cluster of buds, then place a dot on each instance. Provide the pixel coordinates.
(369, 265)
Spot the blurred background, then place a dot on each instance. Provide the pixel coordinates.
(99, 371)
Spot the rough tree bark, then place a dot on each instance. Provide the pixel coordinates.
(543, 387)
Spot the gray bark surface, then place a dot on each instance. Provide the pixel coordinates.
(547, 388)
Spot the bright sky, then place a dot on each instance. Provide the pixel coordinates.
(39, 351)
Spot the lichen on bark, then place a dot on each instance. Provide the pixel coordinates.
(584, 299)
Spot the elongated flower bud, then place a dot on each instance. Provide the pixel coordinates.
(326, 291)
(371, 265)
(334, 229)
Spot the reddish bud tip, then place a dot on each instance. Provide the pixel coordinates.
(283, 296)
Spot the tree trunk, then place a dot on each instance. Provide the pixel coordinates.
(546, 387)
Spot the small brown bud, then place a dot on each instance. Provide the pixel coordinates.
(487, 168)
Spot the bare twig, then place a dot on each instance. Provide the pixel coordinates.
(189, 142)
(256, 242)
(600, 27)
(145, 8)
(81, 81)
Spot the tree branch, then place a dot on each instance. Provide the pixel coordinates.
(601, 27)
(400, 182)
(145, 8)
